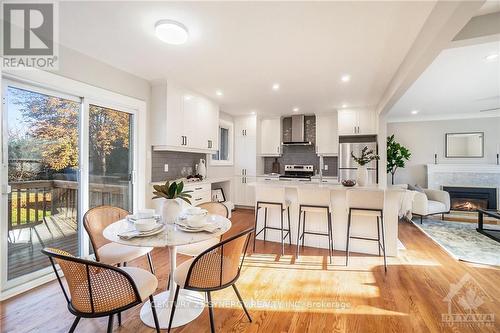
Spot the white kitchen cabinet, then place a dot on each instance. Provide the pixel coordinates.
(327, 138)
(245, 146)
(356, 122)
(244, 194)
(270, 137)
(183, 120)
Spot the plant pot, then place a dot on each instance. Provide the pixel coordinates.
(169, 209)
(362, 175)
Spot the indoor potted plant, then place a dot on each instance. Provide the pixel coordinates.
(172, 196)
(366, 157)
(397, 155)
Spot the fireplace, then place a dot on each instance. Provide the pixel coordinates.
(471, 198)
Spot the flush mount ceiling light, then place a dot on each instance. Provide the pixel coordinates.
(296, 109)
(219, 93)
(253, 112)
(171, 32)
(414, 111)
(276, 86)
(491, 57)
(344, 106)
(345, 78)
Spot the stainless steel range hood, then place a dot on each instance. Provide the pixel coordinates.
(298, 132)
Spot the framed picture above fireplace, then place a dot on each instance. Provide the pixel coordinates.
(464, 145)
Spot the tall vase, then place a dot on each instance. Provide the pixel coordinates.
(362, 175)
(202, 169)
(169, 209)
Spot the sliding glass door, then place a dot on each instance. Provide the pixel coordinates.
(61, 155)
(41, 163)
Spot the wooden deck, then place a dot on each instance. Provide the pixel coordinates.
(286, 294)
(25, 257)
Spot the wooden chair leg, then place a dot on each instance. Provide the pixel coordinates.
(211, 312)
(241, 302)
(150, 262)
(174, 304)
(73, 326)
(155, 316)
(110, 324)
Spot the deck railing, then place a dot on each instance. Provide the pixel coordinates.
(30, 202)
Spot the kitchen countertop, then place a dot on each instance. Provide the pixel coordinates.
(204, 181)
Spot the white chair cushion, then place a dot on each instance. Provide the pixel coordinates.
(145, 281)
(315, 209)
(369, 213)
(180, 273)
(434, 207)
(114, 253)
(286, 204)
(195, 249)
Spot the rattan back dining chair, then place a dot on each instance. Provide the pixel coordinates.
(216, 268)
(99, 290)
(95, 221)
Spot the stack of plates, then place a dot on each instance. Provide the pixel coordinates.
(206, 226)
(129, 234)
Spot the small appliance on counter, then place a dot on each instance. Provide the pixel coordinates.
(276, 166)
(297, 172)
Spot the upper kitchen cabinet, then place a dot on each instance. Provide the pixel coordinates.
(245, 145)
(356, 122)
(183, 120)
(270, 137)
(327, 138)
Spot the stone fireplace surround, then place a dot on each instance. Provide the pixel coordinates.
(464, 175)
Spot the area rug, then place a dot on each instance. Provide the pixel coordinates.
(462, 241)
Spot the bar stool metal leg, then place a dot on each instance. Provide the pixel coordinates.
(330, 246)
(255, 226)
(289, 227)
(378, 235)
(282, 238)
(298, 234)
(303, 228)
(383, 239)
(348, 237)
(265, 223)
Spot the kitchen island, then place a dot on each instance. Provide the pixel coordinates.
(360, 226)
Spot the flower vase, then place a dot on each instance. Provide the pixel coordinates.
(362, 175)
(169, 209)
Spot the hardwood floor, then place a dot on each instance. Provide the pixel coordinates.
(285, 294)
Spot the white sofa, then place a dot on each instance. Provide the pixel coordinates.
(430, 202)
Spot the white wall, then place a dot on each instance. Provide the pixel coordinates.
(423, 138)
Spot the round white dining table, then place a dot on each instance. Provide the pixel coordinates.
(190, 303)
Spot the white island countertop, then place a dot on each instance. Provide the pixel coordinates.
(360, 226)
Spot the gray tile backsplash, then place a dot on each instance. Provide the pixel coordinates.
(301, 155)
(176, 162)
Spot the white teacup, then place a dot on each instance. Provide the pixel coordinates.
(145, 224)
(145, 213)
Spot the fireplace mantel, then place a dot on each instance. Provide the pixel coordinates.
(476, 168)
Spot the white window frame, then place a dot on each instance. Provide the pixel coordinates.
(230, 161)
(44, 82)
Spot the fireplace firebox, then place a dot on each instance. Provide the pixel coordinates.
(471, 198)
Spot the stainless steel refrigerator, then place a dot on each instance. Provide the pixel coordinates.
(347, 165)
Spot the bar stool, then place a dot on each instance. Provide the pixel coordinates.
(314, 200)
(272, 197)
(368, 203)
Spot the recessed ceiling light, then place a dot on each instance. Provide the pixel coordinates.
(253, 112)
(187, 97)
(414, 111)
(276, 86)
(296, 109)
(344, 106)
(491, 57)
(218, 93)
(346, 78)
(171, 32)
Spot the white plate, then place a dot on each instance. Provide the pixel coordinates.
(136, 233)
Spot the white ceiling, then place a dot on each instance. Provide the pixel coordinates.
(242, 48)
(458, 83)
